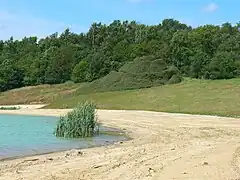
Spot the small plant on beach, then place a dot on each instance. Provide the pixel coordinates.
(9, 108)
(79, 123)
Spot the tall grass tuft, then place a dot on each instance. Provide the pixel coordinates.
(9, 108)
(79, 123)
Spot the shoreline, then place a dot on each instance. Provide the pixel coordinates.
(162, 146)
(22, 112)
(58, 152)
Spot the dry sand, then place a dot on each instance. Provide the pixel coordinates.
(164, 146)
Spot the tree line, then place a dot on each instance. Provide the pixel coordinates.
(206, 52)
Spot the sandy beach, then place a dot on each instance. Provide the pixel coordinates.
(164, 146)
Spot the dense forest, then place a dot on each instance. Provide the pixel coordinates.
(209, 52)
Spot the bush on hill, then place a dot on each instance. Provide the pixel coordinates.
(143, 72)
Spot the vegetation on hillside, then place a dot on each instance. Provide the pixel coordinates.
(209, 52)
(79, 123)
(41, 94)
(143, 72)
(218, 97)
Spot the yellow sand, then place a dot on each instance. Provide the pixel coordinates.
(164, 146)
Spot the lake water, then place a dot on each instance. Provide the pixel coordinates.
(30, 135)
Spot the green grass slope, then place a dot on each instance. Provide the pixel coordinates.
(219, 97)
(36, 94)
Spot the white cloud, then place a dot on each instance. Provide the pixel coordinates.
(18, 26)
(212, 7)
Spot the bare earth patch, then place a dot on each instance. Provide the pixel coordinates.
(164, 146)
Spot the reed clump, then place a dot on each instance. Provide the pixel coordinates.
(9, 108)
(79, 123)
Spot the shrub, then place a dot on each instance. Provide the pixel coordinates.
(171, 71)
(79, 123)
(175, 79)
(79, 73)
(222, 66)
(9, 108)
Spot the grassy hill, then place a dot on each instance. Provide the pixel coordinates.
(219, 97)
(143, 72)
(36, 94)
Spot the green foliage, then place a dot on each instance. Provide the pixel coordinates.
(145, 64)
(87, 57)
(200, 61)
(79, 73)
(174, 79)
(10, 76)
(222, 66)
(79, 123)
(237, 71)
(9, 108)
(143, 72)
(60, 66)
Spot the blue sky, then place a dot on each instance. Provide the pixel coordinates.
(21, 18)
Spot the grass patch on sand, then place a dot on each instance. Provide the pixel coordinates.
(218, 97)
(79, 123)
(9, 108)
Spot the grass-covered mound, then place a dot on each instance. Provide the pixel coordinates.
(79, 123)
(143, 72)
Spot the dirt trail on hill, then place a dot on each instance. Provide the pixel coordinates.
(164, 147)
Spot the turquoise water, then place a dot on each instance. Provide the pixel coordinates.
(30, 135)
